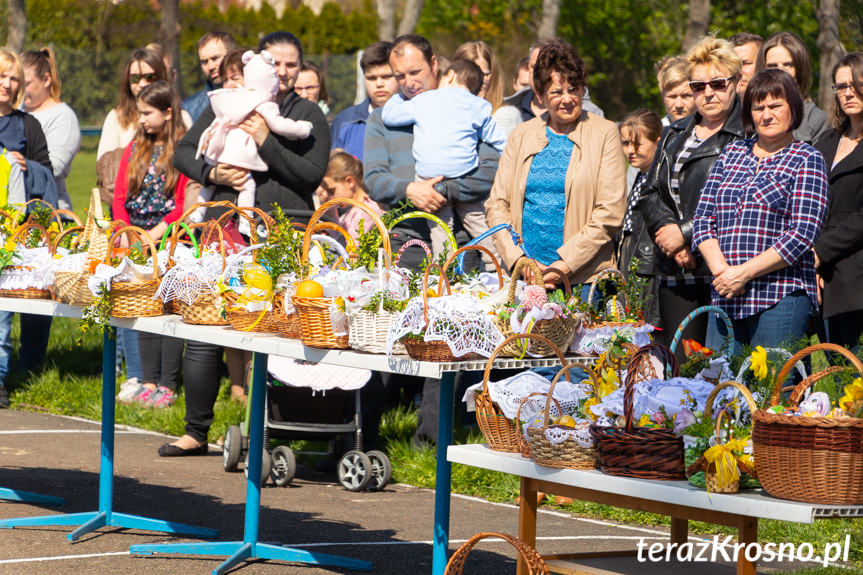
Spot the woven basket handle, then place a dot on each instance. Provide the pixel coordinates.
(413, 242)
(607, 272)
(69, 214)
(678, 335)
(56, 243)
(19, 234)
(564, 371)
(145, 240)
(430, 217)
(483, 249)
(249, 215)
(319, 227)
(174, 231)
(714, 393)
(638, 367)
(325, 207)
(529, 555)
(515, 337)
(22, 210)
(442, 282)
(517, 272)
(526, 398)
(803, 385)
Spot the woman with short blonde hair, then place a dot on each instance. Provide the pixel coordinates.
(673, 80)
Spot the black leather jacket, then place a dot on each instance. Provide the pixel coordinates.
(657, 206)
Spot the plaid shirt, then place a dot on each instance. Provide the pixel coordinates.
(749, 208)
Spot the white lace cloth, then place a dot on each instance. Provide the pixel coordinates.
(593, 341)
(508, 394)
(580, 434)
(34, 268)
(317, 376)
(190, 277)
(126, 271)
(649, 396)
(459, 320)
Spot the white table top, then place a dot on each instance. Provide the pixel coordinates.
(275, 345)
(750, 503)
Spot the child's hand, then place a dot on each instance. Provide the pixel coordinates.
(256, 127)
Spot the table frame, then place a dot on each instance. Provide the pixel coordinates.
(261, 345)
(676, 499)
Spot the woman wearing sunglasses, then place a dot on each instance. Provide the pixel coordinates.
(759, 216)
(687, 151)
(141, 69)
(838, 253)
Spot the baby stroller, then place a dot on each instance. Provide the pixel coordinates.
(311, 401)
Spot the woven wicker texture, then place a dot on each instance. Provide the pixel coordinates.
(135, 299)
(20, 236)
(205, 310)
(720, 313)
(610, 272)
(533, 560)
(523, 443)
(710, 476)
(288, 325)
(631, 451)
(560, 331)
(811, 459)
(501, 432)
(567, 454)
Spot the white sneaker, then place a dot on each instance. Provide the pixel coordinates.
(129, 389)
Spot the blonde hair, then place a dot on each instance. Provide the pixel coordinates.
(9, 59)
(342, 165)
(44, 64)
(479, 50)
(672, 71)
(714, 52)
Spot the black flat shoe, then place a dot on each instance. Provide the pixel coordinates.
(171, 450)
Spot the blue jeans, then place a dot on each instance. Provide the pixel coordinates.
(35, 330)
(127, 347)
(5, 344)
(784, 322)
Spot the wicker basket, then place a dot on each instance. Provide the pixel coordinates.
(288, 325)
(678, 334)
(20, 236)
(609, 272)
(568, 454)
(639, 452)
(811, 459)
(71, 286)
(529, 555)
(135, 299)
(314, 313)
(560, 330)
(523, 443)
(501, 432)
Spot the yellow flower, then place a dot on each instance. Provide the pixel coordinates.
(644, 421)
(758, 363)
(587, 405)
(853, 393)
(9, 246)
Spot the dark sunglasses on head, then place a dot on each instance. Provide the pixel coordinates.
(717, 84)
(135, 78)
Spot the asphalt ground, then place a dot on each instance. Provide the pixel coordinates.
(59, 456)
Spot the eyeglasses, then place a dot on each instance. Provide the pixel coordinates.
(842, 88)
(557, 94)
(307, 88)
(135, 78)
(716, 84)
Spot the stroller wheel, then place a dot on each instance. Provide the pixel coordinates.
(382, 470)
(284, 466)
(232, 452)
(266, 465)
(355, 470)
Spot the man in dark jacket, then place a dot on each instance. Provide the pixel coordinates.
(212, 48)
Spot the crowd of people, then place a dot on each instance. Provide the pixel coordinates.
(744, 195)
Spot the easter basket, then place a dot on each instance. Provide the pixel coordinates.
(558, 330)
(721, 467)
(535, 564)
(558, 445)
(501, 432)
(28, 281)
(641, 452)
(71, 286)
(135, 298)
(815, 459)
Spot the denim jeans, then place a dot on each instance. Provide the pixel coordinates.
(35, 331)
(783, 322)
(5, 344)
(127, 347)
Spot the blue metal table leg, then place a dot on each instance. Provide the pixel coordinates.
(443, 472)
(105, 516)
(27, 497)
(249, 548)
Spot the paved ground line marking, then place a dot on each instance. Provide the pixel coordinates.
(374, 543)
(50, 431)
(62, 557)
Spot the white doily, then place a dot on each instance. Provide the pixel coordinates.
(593, 341)
(649, 396)
(580, 434)
(316, 376)
(508, 393)
(33, 268)
(190, 277)
(70, 262)
(458, 320)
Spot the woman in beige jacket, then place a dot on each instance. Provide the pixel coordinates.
(561, 182)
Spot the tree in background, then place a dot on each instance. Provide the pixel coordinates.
(17, 20)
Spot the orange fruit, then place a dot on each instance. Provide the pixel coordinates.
(310, 288)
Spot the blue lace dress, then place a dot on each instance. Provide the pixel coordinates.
(545, 199)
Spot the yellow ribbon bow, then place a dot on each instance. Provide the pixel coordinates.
(259, 289)
(725, 463)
